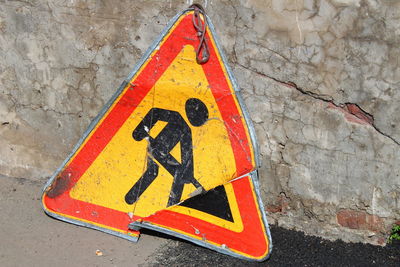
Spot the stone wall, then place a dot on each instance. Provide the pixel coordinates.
(320, 78)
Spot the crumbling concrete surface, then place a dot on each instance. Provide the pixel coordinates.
(320, 78)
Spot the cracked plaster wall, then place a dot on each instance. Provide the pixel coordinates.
(320, 78)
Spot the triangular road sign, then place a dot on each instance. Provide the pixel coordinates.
(228, 219)
(173, 130)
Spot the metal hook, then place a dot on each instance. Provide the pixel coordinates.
(202, 51)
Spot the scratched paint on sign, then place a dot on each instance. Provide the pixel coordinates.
(118, 167)
(174, 133)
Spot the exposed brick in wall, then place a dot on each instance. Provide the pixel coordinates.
(360, 220)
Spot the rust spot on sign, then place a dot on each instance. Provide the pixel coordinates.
(60, 184)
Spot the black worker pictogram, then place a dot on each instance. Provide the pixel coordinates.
(159, 148)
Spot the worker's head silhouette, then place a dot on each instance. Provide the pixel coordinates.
(196, 111)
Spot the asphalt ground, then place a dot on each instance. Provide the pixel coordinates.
(28, 237)
(290, 248)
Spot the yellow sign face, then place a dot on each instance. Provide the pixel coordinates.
(125, 160)
(171, 151)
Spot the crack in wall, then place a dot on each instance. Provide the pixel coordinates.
(351, 108)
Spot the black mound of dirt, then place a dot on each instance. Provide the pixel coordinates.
(290, 248)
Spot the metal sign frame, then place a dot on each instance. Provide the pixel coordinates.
(133, 235)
